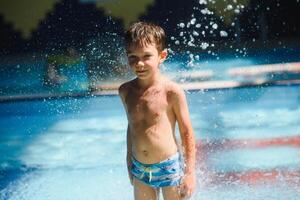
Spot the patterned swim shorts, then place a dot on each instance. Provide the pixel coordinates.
(165, 173)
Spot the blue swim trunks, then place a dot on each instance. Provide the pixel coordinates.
(165, 173)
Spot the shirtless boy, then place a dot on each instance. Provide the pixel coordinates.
(153, 106)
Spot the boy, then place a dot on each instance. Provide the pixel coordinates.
(153, 105)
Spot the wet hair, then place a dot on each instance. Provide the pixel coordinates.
(144, 33)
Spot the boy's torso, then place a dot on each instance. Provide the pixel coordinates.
(152, 123)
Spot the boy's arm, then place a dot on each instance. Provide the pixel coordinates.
(181, 111)
(129, 154)
(123, 93)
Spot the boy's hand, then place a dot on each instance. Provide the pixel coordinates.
(188, 185)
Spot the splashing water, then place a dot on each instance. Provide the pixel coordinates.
(200, 34)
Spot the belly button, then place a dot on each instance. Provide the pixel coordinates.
(145, 153)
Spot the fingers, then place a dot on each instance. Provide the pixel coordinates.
(185, 191)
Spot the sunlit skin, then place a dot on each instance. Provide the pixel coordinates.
(153, 105)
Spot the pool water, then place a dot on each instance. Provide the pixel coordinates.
(74, 148)
(25, 75)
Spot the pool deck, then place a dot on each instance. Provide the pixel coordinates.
(251, 76)
(265, 69)
(112, 89)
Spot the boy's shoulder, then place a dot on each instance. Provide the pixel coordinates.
(173, 87)
(124, 87)
(174, 91)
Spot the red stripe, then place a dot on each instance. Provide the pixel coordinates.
(253, 177)
(205, 148)
(249, 143)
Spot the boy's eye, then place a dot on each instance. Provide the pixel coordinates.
(132, 57)
(147, 56)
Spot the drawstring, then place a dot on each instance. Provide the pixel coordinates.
(147, 169)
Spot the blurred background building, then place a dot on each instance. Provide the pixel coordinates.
(33, 31)
(35, 26)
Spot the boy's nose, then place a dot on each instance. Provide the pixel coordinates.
(140, 64)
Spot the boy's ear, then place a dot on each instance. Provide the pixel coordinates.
(163, 55)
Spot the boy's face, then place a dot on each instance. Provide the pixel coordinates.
(145, 60)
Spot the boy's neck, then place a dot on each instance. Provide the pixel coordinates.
(146, 83)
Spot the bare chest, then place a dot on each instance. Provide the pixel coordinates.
(147, 106)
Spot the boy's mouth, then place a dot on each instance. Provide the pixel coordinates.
(140, 71)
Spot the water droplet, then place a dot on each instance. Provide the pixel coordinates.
(223, 34)
(195, 33)
(181, 25)
(202, 2)
(193, 21)
(215, 26)
(204, 45)
(229, 7)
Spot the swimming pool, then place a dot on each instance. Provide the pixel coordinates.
(24, 75)
(74, 148)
